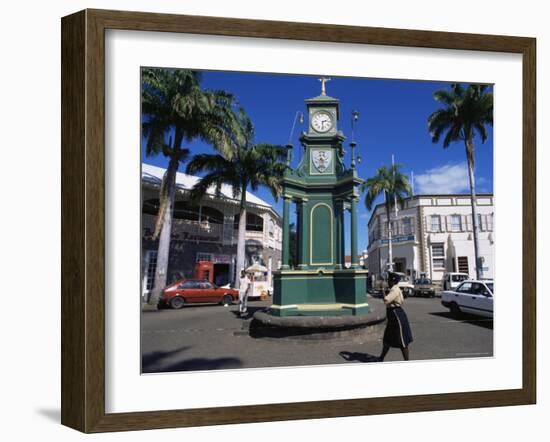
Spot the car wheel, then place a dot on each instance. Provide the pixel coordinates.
(227, 300)
(455, 309)
(177, 302)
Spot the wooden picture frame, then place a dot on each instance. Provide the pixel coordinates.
(83, 220)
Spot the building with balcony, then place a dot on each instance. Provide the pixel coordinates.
(206, 230)
(431, 235)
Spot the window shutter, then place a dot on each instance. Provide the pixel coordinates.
(428, 224)
(469, 226)
(463, 223)
(449, 223)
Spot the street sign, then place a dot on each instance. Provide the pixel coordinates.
(401, 238)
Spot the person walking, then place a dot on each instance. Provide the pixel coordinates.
(398, 332)
(244, 285)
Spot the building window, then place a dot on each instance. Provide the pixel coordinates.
(407, 226)
(483, 222)
(435, 223)
(456, 223)
(151, 268)
(204, 256)
(438, 256)
(254, 223)
(463, 264)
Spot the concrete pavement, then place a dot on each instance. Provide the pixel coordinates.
(210, 337)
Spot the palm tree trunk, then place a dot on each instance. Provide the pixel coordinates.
(478, 264)
(241, 237)
(165, 233)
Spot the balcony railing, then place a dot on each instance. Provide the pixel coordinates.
(187, 230)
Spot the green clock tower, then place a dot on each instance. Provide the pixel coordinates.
(323, 189)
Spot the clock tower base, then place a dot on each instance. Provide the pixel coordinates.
(319, 292)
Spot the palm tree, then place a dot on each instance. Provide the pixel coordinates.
(245, 165)
(176, 110)
(395, 186)
(466, 111)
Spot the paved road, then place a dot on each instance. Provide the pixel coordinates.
(210, 337)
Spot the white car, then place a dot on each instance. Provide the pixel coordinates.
(452, 280)
(472, 296)
(407, 288)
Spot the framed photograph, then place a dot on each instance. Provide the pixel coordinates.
(262, 220)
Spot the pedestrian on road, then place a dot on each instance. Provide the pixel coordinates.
(244, 285)
(398, 330)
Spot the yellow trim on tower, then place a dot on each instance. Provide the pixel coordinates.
(313, 307)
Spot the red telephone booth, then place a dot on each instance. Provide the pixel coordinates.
(204, 270)
(216, 273)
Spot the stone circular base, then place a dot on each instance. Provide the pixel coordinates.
(366, 327)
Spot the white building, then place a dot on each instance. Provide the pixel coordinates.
(207, 230)
(432, 234)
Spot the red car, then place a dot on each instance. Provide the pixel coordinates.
(191, 291)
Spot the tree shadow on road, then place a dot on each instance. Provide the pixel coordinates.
(358, 357)
(158, 362)
(480, 321)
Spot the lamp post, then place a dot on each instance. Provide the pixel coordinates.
(354, 118)
(299, 116)
(354, 263)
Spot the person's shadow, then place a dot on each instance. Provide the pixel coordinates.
(358, 357)
(249, 312)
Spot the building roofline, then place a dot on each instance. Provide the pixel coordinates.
(431, 195)
(183, 189)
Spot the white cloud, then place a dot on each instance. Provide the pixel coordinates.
(450, 178)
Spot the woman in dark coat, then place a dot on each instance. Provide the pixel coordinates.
(398, 330)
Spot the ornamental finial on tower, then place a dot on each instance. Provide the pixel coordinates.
(323, 81)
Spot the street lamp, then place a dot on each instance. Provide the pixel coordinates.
(354, 118)
(299, 116)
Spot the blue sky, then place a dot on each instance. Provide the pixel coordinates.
(392, 120)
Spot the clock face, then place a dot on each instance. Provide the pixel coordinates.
(321, 122)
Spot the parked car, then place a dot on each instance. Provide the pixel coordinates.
(405, 284)
(452, 280)
(424, 287)
(472, 296)
(191, 291)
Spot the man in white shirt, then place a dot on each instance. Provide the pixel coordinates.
(244, 285)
